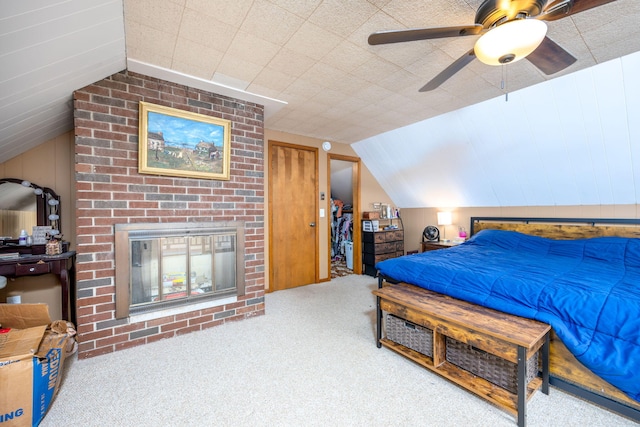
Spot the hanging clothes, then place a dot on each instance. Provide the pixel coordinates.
(343, 233)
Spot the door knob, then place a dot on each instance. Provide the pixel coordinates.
(313, 224)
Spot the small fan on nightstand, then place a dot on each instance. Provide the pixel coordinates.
(430, 234)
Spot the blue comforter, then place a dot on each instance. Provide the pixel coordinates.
(588, 290)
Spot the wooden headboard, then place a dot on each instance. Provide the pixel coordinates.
(560, 228)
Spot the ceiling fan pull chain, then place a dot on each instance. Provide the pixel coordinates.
(504, 82)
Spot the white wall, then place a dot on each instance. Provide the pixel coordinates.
(573, 140)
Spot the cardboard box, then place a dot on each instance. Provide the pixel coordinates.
(32, 355)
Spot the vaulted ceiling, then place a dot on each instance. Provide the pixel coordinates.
(308, 61)
(571, 141)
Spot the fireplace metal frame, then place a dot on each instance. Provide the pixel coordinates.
(184, 229)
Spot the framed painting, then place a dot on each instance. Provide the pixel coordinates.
(180, 143)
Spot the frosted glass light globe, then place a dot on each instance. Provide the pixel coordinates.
(510, 42)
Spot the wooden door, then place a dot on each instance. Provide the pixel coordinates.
(293, 231)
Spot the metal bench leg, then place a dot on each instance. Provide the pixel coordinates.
(379, 315)
(545, 363)
(522, 385)
(378, 322)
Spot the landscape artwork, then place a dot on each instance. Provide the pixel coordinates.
(181, 143)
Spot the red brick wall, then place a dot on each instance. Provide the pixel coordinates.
(109, 190)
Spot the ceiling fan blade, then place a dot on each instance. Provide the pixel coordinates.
(560, 9)
(582, 5)
(445, 74)
(550, 58)
(396, 36)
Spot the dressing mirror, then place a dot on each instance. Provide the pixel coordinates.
(24, 205)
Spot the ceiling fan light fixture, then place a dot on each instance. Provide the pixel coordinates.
(510, 42)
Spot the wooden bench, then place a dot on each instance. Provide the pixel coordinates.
(508, 337)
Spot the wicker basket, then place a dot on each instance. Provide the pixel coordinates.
(492, 368)
(409, 335)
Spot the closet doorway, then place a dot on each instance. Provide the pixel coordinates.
(345, 253)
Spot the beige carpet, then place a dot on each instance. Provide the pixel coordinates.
(310, 361)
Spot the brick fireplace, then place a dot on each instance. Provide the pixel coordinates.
(110, 191)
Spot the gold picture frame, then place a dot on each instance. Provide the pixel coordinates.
(181, 143)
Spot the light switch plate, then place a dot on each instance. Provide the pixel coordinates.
(14, 300)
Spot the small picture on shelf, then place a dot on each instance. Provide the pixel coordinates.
(40, 233)
(385, 211)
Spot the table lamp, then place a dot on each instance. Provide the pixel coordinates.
(444, 218)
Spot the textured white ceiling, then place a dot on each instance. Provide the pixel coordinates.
(569, 141)
(312, 55)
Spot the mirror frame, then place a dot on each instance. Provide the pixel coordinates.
(43, 208)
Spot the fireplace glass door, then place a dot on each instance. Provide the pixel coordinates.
(182, 267)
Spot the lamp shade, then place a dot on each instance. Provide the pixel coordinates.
(510, 42)
(444, 218)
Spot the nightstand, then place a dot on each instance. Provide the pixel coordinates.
(432, 246)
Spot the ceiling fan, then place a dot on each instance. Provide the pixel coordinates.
(514, 18)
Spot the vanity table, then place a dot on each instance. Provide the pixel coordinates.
(61, 265)
(26, 207)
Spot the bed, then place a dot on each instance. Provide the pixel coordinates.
(581, 276)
